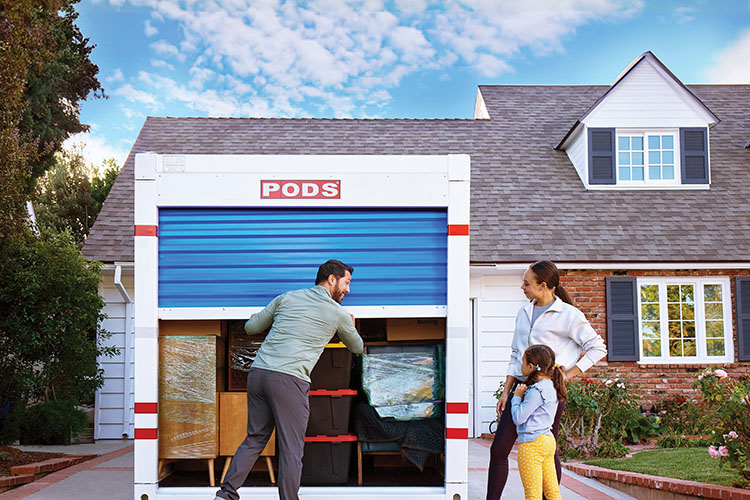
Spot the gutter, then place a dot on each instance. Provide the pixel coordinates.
(127, 381)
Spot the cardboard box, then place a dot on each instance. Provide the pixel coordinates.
(191, 328)
(415, 328)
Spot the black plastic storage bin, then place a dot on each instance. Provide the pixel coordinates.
(329, 412)
(326, 459)
(334, 368)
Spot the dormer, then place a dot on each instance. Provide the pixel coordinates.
(648, 131)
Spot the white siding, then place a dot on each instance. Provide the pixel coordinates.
(499, 299)
(578, 154)
(115, 399)
(645, 98)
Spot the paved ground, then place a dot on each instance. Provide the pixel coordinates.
(110, 477)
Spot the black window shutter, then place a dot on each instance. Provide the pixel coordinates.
(742, 295)
(622, 319)
(602, 156)
(694, 155)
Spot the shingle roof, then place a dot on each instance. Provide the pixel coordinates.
(527, 200)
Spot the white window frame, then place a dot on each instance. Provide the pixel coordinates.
(644, 133)
(700, 323)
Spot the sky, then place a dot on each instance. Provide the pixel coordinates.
(379, 58)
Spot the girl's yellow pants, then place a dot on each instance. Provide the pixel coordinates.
(536, 463)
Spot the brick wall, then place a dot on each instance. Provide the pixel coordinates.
(587, 287)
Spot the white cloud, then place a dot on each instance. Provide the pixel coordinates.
(683, 14)
(149, 30)
(117, 76)
(352, 52)
(96, 149)
(131, 94)
(731, 65)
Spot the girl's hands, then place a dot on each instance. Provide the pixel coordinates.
(520, 390)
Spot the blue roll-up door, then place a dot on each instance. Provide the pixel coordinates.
(245, 257)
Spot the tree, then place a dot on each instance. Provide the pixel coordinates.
(45, 71)
(103, 182)
(50, 329)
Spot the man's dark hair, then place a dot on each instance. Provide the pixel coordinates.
(335, 267)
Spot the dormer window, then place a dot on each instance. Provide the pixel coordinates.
(646, 157)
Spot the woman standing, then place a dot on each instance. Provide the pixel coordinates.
(553, 320)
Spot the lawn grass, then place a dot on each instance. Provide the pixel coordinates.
(689, 464)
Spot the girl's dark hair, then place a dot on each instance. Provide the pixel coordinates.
(546, 272)
(544, 357)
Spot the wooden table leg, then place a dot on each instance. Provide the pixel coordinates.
(227, 463)
(269, 464)
(211, 478)
(359, 462)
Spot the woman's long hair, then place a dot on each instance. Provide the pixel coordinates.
(546, 272)
(544, 358)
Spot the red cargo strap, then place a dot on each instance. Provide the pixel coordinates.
(458, 230)
(141, 230)
(457, 408)
(147, 408)
(451, 433)
(146, 433)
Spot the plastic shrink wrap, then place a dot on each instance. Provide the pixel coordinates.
(404, 382)
(188, 404)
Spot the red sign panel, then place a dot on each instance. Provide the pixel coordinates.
(300, 189)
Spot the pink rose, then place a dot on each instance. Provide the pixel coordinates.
(723, 451)
(700, 377)
(608, 382)
(713, 451)
(733, 435)
(720, 373)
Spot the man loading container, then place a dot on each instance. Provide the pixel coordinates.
(302, 323)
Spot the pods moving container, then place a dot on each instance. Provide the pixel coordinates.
(218, 236)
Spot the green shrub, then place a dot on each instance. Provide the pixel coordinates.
(52, 422)
(612, 449)
(10, 425)
(680, 415)
(674, 441)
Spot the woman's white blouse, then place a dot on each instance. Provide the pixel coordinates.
(564, 329)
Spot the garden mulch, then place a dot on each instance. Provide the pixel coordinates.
(20, 457)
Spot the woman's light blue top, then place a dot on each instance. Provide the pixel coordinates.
(535, 413)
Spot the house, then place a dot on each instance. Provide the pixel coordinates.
(637, 191)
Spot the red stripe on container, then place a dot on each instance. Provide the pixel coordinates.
(146, 433)
(326, 392)
(147, 407)
(451, 433)
(146, 230)
(457, 408)
(458, 230)
(331, 439)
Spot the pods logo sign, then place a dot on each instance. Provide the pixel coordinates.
(276, 190)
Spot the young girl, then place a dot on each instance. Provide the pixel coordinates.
(533, 409)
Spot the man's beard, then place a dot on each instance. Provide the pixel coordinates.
(337, 295)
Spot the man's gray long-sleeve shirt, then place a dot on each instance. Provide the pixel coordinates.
(302, 323)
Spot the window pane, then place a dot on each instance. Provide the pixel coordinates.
(667, 157)
(637, 143)
(714, 310)
(624, 173)
(637, 158)
(654, 173)
(673, 293)
(650, 293)
(712, 293)
(688, 330)
(667, 142)
(675, 348)
(624, 158)
(649, 312)
(653, 142)
(651, 348)
(650, 330)
(715, 347)
(688, 311)
(673, 312)
(654, 158)
(668, 173)
(686, 293)
(688, 348)
(675, 332)
(714, 329)
(623, 143)
(637, 173)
